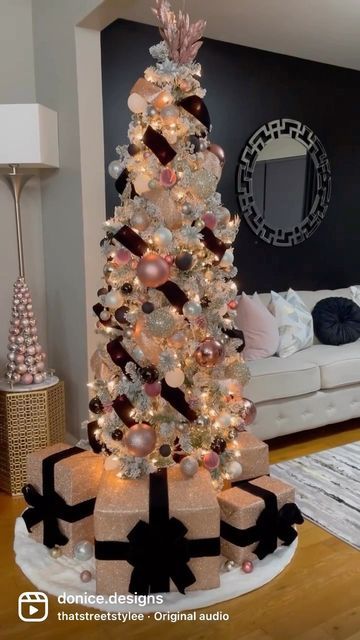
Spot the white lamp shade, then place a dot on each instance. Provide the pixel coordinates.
(28, 135)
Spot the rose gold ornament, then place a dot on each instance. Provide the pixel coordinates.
(218, 152)
(152, 270)
(163, 99)
(152, 389)
(249, 411)
(211, 460)
(209, 353)
(140, 440)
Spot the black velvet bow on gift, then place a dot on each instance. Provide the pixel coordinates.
(49, 507)
(271, 527)
(158, 550)
(273, 524)
(157, 555)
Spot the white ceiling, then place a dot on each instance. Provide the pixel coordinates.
(322, 30)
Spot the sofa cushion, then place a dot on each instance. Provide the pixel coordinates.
(294, 321)
(339, 366)
(259, 326)
(336, 321)
(274, 378)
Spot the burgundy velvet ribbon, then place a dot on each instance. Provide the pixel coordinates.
(212, 243)
(123, 407)
(197, 108)
(158, 144)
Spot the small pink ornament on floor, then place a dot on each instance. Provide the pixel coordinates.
(247, 566)
(85, 576)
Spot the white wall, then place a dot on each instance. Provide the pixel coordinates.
(64, 212)
(17, 85)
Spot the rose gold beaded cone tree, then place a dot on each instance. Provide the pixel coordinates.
(26, 358)
(171, 359)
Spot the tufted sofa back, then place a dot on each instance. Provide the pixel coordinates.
(310, 298)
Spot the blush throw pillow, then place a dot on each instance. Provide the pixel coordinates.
(294, 322)
(259, 327)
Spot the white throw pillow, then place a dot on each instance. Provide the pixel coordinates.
(294, 321)
(355, 294)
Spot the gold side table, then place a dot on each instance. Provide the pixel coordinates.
(29, 419)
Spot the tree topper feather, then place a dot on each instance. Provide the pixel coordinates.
(182, 37)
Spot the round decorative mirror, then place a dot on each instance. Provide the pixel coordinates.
(284, 182)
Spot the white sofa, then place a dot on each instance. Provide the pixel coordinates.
(314, 387)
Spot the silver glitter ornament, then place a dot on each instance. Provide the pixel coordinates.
(84, 550)
(189, 466)
(160, 323)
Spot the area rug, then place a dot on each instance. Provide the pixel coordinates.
(328, 489)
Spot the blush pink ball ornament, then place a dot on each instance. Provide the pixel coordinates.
(209, 219)
(123, 256)
(38, 378)
(140, 440)
(152, 270)
(211, 460)
(249, 411)
(27, 378)
(247, 566)
(152, 389)
(167, 178)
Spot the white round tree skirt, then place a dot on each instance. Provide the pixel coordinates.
(60, 576)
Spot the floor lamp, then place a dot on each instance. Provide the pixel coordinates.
(29, 143)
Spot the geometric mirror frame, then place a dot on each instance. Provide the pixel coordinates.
(277, 235)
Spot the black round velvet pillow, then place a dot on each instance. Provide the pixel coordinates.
(336, 321)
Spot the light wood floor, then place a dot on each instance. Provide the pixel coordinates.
(316, 598)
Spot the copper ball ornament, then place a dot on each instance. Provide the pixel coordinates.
(218, 152)
(153, 270)
(140, 440)
(249, 411)
(209, 353)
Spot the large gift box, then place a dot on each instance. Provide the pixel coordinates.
(61, 493)
(257, 517)
(157, 534)
(254, 456)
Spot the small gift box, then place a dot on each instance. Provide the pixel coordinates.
(257, 517)
(61, 493)
(157, 534)
(254, 458)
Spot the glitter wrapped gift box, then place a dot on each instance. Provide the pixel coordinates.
(257, 517)
(157, 534)
(61, 492)
(254, 458)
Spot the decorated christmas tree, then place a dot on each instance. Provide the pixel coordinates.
(169, 372)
